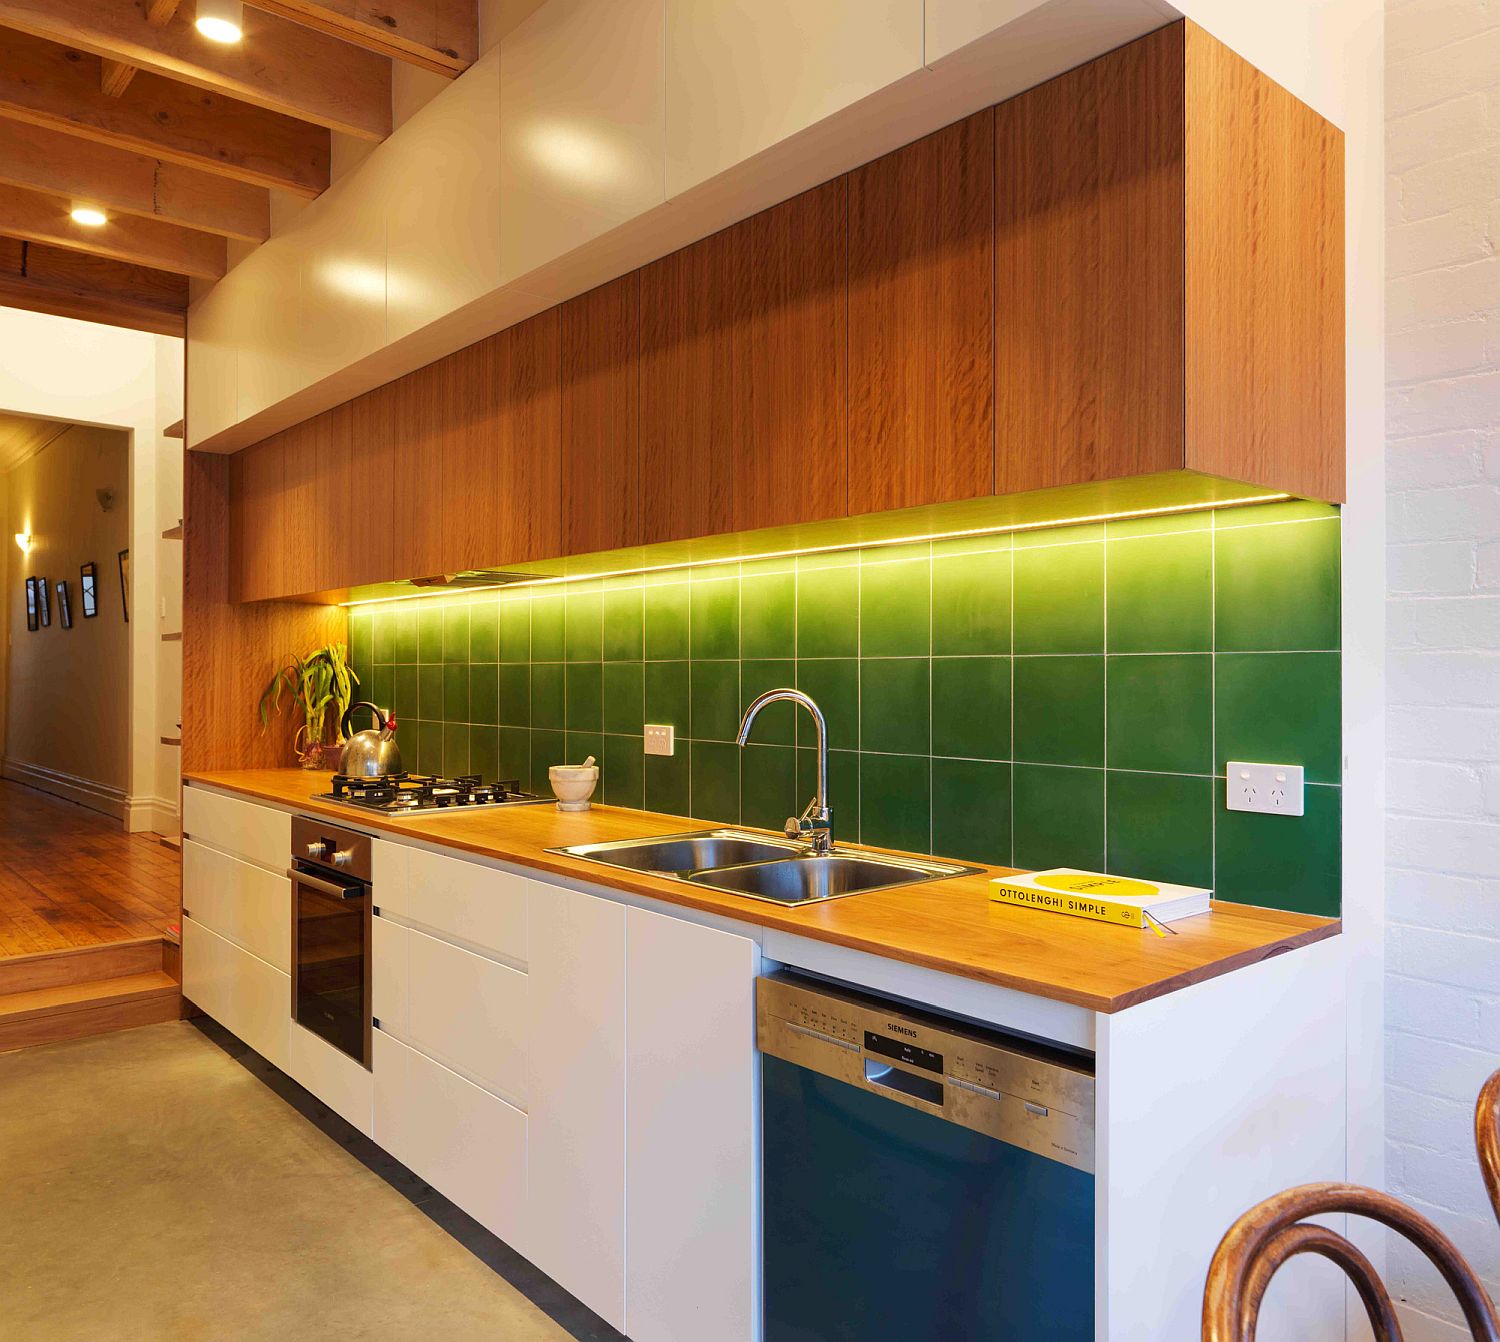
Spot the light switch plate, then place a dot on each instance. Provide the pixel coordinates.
(660, 739)
(1270, 789)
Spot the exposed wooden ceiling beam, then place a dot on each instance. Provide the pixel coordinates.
(48, 160)
(58, 87)
(280, 66)
(115, 76)
(145, 242)
(437, 35)
(91, 288)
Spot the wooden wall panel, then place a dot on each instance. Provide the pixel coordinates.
(1089, 271)
(1264, 235)
(601, 430)
(922, 321)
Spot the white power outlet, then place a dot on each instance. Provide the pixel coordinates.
(660, 740)
(1272, 789)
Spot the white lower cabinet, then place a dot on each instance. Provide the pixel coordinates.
(576, 1106)
(241, 991)
(334, 1077)
(465, 1142)
(243, 903)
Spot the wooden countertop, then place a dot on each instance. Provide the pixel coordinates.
(951, 926)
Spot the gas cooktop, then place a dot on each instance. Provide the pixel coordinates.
(409, 794)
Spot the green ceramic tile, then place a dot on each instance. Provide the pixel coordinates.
(1287, 510)
(622, 772)
(363, 640)
(768, 615)
(666, 628)
(515, 695)
(1058, 817)
(971, 707)
(971, 603)
(455, 635)
(484, 693)
(430, 637)
(667, 782)
(1161, 593)
(623, 625)
(1161, 827)
(894, 705)
(833, 684)
(667, 695)
(1277, 587)
(715, 618)
(895, 608)
(1282, 862)
(484, 632)
(776, 724)
(515, 631)
(1161, 714)
(715, 782)
(1280, 708)
(548, 696)
(578, 746)
(624, 698)
(585, 695)
(379, 687)
(971, 811)
(715, 693)
(1164, 524)
(768, 786)
(1047, 537)
(1059, 599)
(430, 693)
(456, 693)
(1059, 710)
(484, 752)
(429, 753)
(455, 748)
(548, 628)
(515, 754)
(583, 622)
(895, 797)
(404, 651)
(547, 748)
(843, 789)
(405, 697)
(828, 613)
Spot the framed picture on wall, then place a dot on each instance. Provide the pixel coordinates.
(64, 606)
(31, 614)
(87, 576)
(125, 583)
(43, 603)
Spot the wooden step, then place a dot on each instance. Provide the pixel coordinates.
(76, 1010)
(50, 969)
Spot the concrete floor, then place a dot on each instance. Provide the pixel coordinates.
(151, 1187)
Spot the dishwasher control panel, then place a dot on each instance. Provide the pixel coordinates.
(1036, 1098)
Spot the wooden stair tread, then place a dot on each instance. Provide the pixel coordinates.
(67, 997)
(79, 964)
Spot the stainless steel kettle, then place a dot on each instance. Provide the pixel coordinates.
(372, 753)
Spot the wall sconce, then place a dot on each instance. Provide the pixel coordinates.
(106, 498)
(23, 541)
(221, 20)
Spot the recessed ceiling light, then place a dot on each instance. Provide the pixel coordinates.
(221, 20)
(89, 215)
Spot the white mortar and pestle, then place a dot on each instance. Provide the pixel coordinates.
(574, 784)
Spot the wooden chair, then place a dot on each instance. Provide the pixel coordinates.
(1277, 1229)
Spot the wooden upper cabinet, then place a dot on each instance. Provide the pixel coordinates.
(921, 321)
(743, 383)
(413, 412)
(1169, 275)
(601, 430)
(258, 521)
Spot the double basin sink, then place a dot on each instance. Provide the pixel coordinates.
(760, 867)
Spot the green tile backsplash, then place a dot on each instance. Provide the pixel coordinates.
(1063, 697)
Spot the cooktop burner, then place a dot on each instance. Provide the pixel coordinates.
(403, 794)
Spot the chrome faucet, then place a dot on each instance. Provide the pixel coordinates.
(815, 824)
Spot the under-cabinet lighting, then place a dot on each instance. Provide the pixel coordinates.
(91, 216)
(221, 20)
(957, 533)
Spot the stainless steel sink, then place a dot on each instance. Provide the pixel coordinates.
(759, 867)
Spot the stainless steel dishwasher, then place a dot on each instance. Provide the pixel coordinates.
(924, 1179)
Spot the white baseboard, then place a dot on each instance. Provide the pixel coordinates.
(163, 815)
(101, 797)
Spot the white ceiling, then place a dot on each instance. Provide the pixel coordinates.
(22, 437)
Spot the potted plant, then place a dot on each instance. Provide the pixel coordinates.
(314, 683)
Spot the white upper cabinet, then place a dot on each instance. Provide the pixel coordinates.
(952, 24)
(742, 77)
(270, 340)
(582, 126)
(212, 363)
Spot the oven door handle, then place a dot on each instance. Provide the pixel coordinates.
(327, 887)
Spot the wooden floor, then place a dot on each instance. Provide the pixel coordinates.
(71, 877)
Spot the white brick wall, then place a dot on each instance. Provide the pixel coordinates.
(1443, 632)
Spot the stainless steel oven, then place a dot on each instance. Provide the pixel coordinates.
(331, 912)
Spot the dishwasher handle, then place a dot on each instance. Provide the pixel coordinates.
(882, 1074)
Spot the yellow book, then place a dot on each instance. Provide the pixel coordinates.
(1122, 900)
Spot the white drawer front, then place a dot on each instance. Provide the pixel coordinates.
(465, 1142)
(246, 829)
(241, 991)
(249, 905)
(466, 900)
(469, 1012)
(391, 972)
(334, 1077)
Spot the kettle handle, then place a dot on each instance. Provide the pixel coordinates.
(382, 722)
